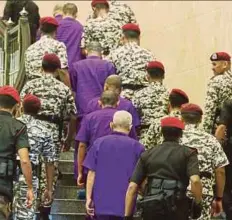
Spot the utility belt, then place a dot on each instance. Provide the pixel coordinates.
(144, 126)
(52, 119)
(133, 87)
(162, 196)
(206, 174)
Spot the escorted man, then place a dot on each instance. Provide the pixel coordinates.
(70, 32)
(57, 106)
(219, 90)
(47, 44)
(114, 83)
(211, 157)
(168, 169)
(151, 102)
(58, 12)
(88, 76)
(111, 161)
(13, 140)
(41, 144)
(154, 135)
(130, 61)
(102, 28)
(225, 128)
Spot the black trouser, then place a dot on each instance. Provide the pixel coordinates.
(181, 213)
(227, 203)
(108, 217)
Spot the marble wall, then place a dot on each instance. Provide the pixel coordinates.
(182, 34)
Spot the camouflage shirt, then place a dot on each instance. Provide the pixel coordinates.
(219, 90)
(210, 153)
(130, 61)
(40, 140)
(154, 135)
(119, 11)
(106, 31)
(35, 53)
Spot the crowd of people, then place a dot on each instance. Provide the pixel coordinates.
(96, 84)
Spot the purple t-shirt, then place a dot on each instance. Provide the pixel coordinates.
(124, 104)
(87, 78)
(113, 158)
(70, 32)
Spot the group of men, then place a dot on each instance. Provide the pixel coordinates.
(97, 80)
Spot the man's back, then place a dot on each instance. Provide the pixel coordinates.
(70, 32)
(117, 155)
(88, 78)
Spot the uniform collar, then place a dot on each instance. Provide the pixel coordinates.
(119, 133)
(156, 83)
(5, 113)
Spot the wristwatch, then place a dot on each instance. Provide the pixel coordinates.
(218, 199)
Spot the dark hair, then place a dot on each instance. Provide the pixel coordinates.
(49, 67)
(7, 102)
(30, 108)
(48, 28)
(191, 117)
(176, 100)
(109, 98)
(131, 34)
(156, 73)
(99, 6)
(171, 133)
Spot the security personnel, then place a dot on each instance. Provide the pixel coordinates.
(211, 157)
(177, 97)
(131, 60)
(219, 90)
(13, 139)
(168, 169)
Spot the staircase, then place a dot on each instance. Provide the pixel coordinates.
(66, 206)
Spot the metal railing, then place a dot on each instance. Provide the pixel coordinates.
(14, 40)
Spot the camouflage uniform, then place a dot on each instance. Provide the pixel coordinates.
(154, 136)
(35, 53)
(210, 156)
(41, 144)
(151, 103)
(106, 31)
(119, 11)
(57, 100)
(130, 61)
(219, 90)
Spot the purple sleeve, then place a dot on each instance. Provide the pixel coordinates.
(111, 69)
(73, 78)
(133, 133)
(135, 115)
(84, 133)
(90, 161)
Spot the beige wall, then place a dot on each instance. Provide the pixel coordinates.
(182, 34)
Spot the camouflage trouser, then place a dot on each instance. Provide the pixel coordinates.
(19, 205)
(206, 207)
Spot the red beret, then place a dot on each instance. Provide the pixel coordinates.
(220, 56)
(49, 20)
(155, 64)
(172, 122)
(131, 27)
(94, 2)
(52, 59)
(10, 91)
(191, 108)
(180, 92)
(32, 101)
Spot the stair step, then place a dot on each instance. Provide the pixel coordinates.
(67, 179)
(67, 155)
(62, 216)
(66, 166)
(64, 192)
(69, 206)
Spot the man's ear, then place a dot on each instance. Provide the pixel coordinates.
(99, 103)
(111, 125)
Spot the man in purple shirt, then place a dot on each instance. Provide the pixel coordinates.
(111, 161)
(114, 83)
(69, 32)
(58, 12)
(88, 76)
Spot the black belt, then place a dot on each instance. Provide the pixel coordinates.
(205, 174)
(49, 118)
(133, 87)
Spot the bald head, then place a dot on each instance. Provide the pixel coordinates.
(94, 47)
(109, 99)
(58, 10)
(113, 83)
(122, 121)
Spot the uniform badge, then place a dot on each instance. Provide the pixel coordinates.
(214, 56)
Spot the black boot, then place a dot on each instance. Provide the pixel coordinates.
(44, 213)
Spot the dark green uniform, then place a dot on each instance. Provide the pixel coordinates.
(166, 167)
(13, 136)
